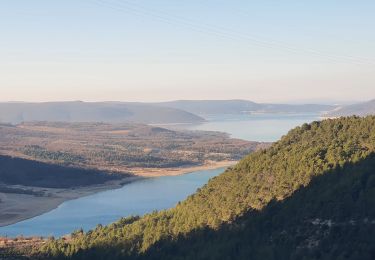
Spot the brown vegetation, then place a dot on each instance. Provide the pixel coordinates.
(118, 148)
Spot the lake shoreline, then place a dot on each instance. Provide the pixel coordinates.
(16, 207)
(19, 207)
(160, 172)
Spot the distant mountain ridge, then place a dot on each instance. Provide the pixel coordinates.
(360, 109)
(212, 107)
(109, 112)
(170, 112)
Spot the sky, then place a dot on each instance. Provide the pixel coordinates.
(156, 50)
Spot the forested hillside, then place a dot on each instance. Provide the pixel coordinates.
(309, 196)
(18, 171)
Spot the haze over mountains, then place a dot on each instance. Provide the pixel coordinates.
(360, 109)
(212, 107)
(172, 112)
(184, 111)
(109, 112)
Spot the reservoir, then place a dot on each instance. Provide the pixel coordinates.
(151, 194)
(136, 198)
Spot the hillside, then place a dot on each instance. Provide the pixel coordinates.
(360, 109)
(219, 107)
(110, 112)
(18, 171)
(29, 188)
(310, 195)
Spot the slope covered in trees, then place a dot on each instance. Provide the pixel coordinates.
(18, 171)
(310, 195)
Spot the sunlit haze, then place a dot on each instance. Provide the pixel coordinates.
(266, 51)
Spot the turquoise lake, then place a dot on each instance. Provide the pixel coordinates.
(147, 195)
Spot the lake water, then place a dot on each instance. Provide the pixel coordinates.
(256, 127)
(144, 196)
(136, 198)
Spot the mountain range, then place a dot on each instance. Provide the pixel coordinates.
(217, 107)
(109, 112)
(172, 112)
(150, 113)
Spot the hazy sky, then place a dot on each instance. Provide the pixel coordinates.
(145, 50)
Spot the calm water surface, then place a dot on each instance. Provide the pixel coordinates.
(260, 127)
(144, 196)
(136, 198)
